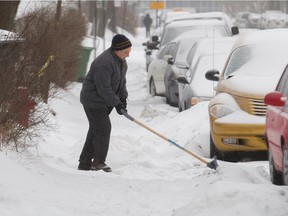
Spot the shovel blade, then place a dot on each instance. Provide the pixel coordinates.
(213, 164)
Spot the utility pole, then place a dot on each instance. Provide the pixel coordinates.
(124, 17)
(79, 5)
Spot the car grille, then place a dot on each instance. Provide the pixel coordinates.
(252, 106)
(257, 107)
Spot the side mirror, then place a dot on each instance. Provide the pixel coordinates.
(170, 61)
(182, 80)
(275, 99)
(212, 75)
(234, 30)
(155, 38)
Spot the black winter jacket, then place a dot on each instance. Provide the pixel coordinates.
(105, 83)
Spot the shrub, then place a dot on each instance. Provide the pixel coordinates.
(42, 58)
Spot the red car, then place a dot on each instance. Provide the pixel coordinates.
(277, 131)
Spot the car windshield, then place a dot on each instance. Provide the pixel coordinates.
(184, 48)
(256, 59)
(197, 31)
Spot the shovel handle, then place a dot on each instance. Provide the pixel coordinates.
(212, 164)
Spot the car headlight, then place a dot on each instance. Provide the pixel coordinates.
(195, 100)
(220, 110)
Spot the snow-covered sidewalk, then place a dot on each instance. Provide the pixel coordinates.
(150, 177)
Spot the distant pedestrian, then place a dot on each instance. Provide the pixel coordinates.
(147, 23)
(104, 87)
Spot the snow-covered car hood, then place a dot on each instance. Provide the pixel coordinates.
(248, 85)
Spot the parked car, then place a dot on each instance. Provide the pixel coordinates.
(173, 69)
(272, 19)
(277, 20)
(196, 29)
(276, 131)
(174, 27)
(242, 19)
(152, 45)
(237, 112)
(174, 15)
(253, 20)
(247, 20)
(206, 54)
(156, 70)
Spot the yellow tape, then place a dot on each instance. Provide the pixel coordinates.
(45, 66)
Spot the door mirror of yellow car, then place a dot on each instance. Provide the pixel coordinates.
(274, 98)
(212, 75)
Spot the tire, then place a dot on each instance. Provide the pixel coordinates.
(285, 164)
(275, 176)
(168, 98)
(152, 88)
(213, 150)
(179, 107)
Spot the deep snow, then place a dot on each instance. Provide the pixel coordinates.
(150, 177)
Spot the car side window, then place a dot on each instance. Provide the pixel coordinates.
(173, 50)
(285, 90)
(283, 83)
(191, 54)
(165, 51)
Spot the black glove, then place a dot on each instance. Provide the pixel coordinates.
(124, 102)
(120, 107)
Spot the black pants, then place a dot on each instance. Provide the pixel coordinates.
(97, 140)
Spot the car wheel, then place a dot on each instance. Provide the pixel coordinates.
(168, 98)
(179, 107)
(185, 106)
(213, 150)
(275, 176)
(285, 165)
(152, 88)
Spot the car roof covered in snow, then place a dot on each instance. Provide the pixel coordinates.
(262, 36)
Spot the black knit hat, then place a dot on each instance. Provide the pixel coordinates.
(120, 42)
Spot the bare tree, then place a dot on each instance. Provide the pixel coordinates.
(40, 59)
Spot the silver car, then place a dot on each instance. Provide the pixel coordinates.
(206, 54)
(192, 28)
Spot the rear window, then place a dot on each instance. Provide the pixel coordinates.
(197, 31)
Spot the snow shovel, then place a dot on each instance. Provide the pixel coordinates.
(212, 164)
